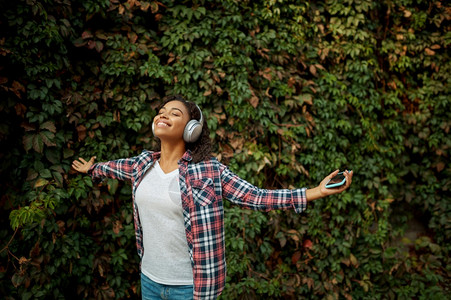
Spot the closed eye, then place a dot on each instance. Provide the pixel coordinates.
(174, 111)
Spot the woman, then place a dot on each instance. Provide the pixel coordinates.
(178, 209)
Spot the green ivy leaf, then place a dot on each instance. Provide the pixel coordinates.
(38, 143)
(28, 141)
(40, 182)
(47, 137)
(49, 125)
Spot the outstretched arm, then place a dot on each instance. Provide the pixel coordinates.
(121, 169)
(246, 195)
(321, 191)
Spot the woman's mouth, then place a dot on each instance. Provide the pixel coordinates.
(162, 124)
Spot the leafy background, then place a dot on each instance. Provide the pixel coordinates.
(291, 90)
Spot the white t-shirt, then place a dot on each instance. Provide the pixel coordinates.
(166, 259)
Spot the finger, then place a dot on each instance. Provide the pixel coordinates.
(348, 183)
(333, 173)
(350, 174)
(92, 159)
(82, 160)
(329, 177)
(347, 175)
(348, 180)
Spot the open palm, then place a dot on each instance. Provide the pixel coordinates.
(82, 165)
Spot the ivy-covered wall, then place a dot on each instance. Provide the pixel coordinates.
(291, 90)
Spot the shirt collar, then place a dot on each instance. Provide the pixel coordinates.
(187, 156)
(155, 155)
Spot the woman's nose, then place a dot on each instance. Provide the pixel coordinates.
(163, 115)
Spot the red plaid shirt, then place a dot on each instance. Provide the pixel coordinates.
(203, 187)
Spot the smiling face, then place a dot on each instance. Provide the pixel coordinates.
(171, 120)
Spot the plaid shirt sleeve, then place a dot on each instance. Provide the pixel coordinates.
(244, 194)
(122, 169)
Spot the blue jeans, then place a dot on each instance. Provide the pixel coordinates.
(152, 290)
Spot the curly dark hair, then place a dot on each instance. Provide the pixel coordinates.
(202, 148)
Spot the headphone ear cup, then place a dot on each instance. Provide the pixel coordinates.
(192, 131)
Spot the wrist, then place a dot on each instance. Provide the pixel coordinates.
(313, 194)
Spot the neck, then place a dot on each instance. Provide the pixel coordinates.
(171, 153)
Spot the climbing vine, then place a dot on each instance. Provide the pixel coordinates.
(291, 91)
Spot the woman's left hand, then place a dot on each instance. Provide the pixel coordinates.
(321, 191)
(326, 192)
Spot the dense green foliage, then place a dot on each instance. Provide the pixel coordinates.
(291, 89)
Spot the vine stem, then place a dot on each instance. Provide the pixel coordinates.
(10, 240)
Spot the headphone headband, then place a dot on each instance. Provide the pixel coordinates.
(201, 121)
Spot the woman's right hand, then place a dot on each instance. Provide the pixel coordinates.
(82, 165)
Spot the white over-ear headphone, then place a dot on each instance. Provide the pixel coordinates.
(193, 128)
